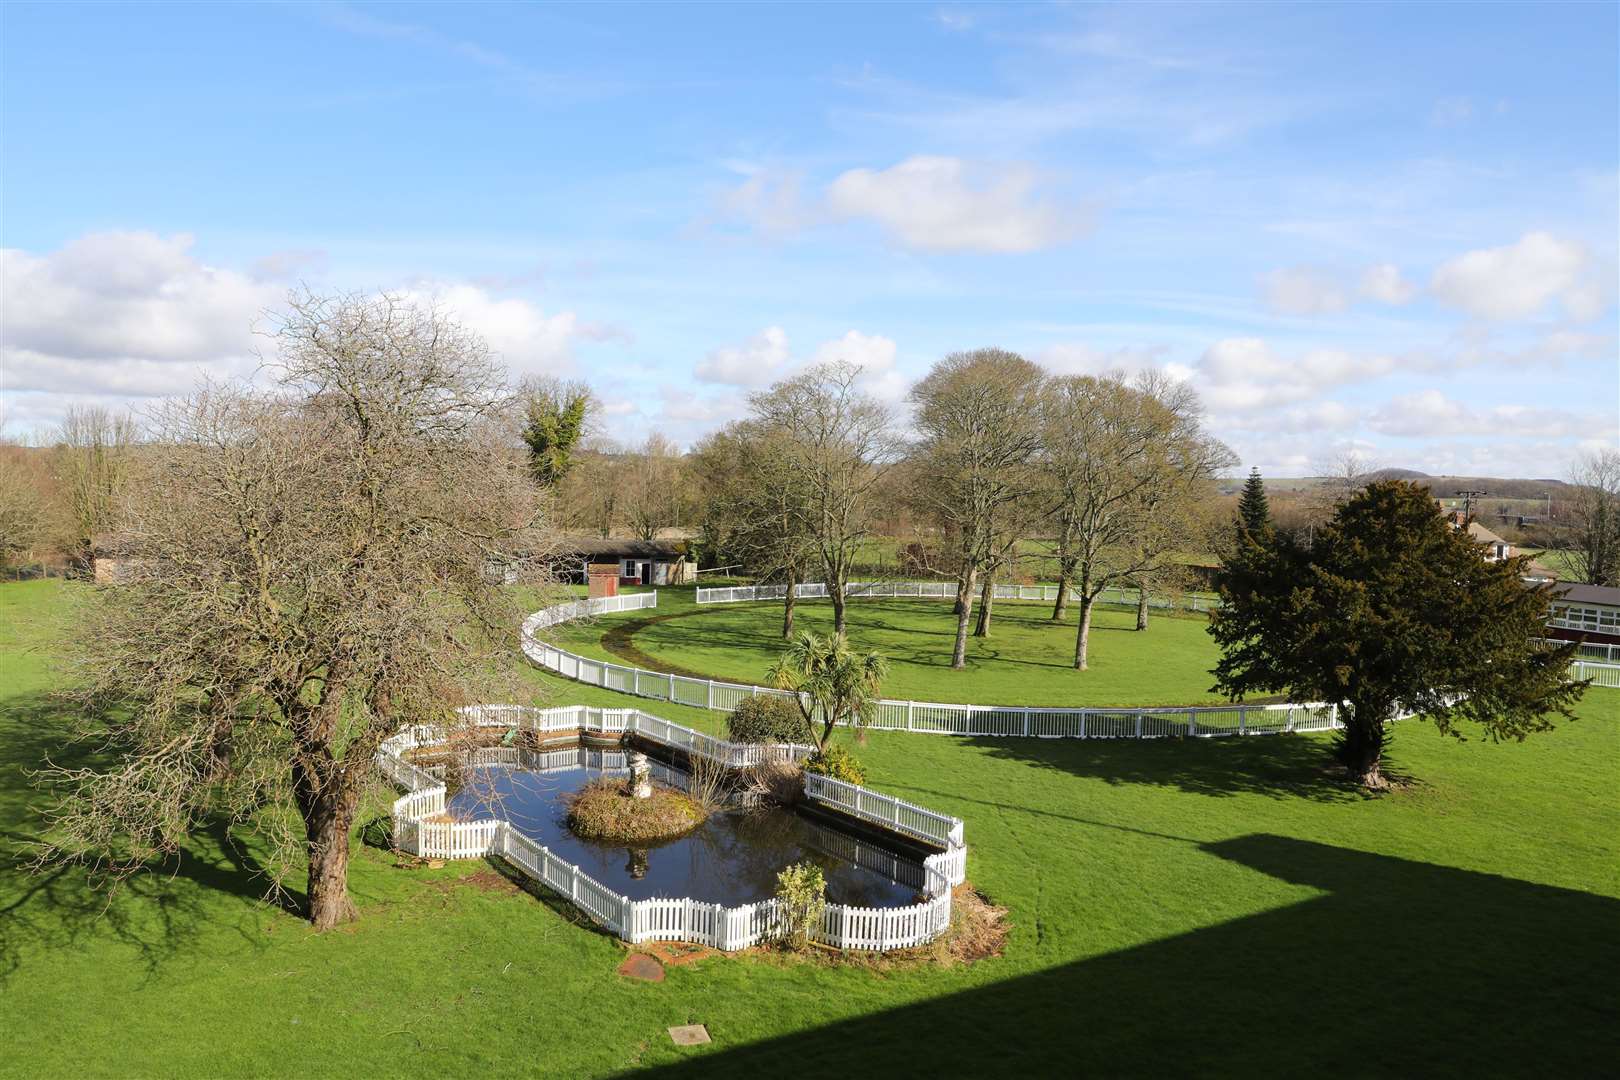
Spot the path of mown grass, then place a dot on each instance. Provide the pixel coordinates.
(1208, 906)
(1026, 660)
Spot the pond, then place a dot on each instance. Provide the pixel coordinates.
(731, 859)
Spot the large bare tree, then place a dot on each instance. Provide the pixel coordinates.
(838, 442)
(311, 568)
(1124, 462)
(977, 418)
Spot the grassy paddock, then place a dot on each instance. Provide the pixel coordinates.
(1201, 906)
(1026, 660)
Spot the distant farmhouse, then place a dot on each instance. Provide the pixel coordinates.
(631, 562)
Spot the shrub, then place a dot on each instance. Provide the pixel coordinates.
(801, 897)
(768, 719)
(837, 762)
(605, 810)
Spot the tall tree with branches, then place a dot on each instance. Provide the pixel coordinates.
(1254, 512)
(1125, 463)
(976, 415)
(1591, 553)
(838, 442)
(310, 570)
(94, 454)
(1391, 609)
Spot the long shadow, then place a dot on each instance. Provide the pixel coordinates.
(58, 905)
(1399, 968)
(1279, 766)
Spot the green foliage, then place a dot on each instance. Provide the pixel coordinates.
(1254, 512)
(553, 424)
(768, 720)
(836, 760)
(801, 897)
(833, 681)
(1390, 608)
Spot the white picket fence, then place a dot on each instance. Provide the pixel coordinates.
(422, 828)
(940, 718)
(938, 590)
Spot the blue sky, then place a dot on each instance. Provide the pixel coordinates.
(1383, 228)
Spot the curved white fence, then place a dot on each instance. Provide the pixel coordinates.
(421, 827)
(937, 590)
(927, 717)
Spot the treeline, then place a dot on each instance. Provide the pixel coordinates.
(58, 500)
(1105, 480)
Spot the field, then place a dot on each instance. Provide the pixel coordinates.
(1220, 907)
(1026, 660)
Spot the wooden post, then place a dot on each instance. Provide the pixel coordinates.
(1243, 719)
(1192, 722)
(1026, 721)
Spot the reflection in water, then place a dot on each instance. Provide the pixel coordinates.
(732, 858)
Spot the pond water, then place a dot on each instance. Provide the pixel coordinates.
(731, 859)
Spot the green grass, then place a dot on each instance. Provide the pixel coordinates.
(1026, 660)
(1218, 907)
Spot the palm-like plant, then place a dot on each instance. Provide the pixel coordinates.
(831, 681)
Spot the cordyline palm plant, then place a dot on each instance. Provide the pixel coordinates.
(831, 681)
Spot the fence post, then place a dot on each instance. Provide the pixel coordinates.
(1138, 725)
(1026, 721)
(711, 694)
(573, 882)
(671, 688)
(1243, 719)
(911, 708)
(1192, 722)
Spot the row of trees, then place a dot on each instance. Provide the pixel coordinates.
(1111, 475)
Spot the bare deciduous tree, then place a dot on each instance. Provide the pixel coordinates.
(654, 487)
(977, 417)
(311, 569)
(1124, 462)
(1592, 551)
(94, 450)
(838, 442)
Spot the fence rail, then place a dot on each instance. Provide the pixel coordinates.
(941, 718)
(422, 828)
(938, 590)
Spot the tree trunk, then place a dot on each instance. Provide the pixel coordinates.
(787, 604)
(835, 590)
(1082, 636)
(1065, 572)
(1360, 744)
(1141, 607)
(986, 596)
(959, 652)
(328, 807)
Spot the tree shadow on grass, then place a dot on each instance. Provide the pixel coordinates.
(1278, 766)
(1399, 968)
(157, 911)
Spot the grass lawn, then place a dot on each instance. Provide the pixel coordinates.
(1026, 660)
(1219, 907)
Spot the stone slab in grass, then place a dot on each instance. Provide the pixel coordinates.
(644, 967)
(689, 1035)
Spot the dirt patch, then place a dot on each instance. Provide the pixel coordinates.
(619, 641)
(676, 953)
(491, 882)
(642, 966)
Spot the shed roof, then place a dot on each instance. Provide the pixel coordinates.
(1603, 595)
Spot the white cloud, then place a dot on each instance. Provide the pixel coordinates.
(1385, 284)
(1518, 280)
(1079, 359)
(118, 316)
(946, 204)
(753, 363)
(872, 353)
(1242, 374)
(1429, 413)
(1301, 290)
(525, 339)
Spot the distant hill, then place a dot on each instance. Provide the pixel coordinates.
(1446, 486)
